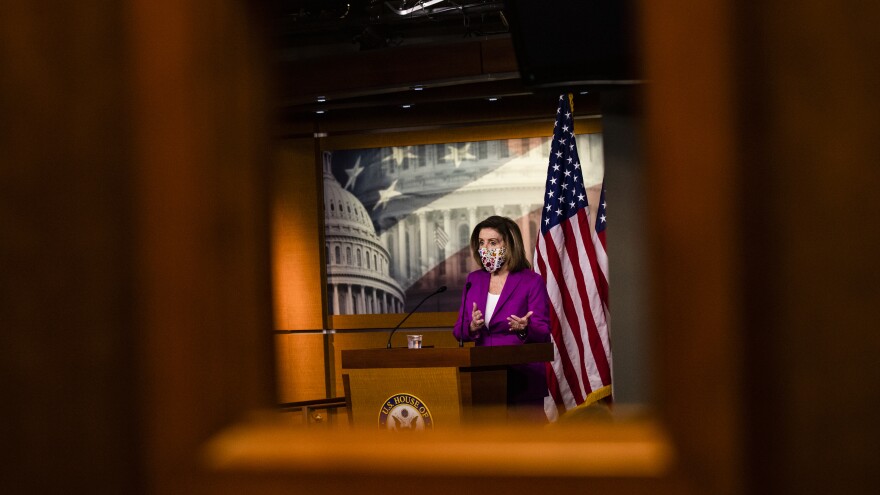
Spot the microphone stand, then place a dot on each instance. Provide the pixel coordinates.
(441, 289)
(467, 287)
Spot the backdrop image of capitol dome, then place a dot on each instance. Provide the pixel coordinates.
(398, 219)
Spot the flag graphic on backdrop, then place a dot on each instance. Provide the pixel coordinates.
(571, 258)
(407, 212)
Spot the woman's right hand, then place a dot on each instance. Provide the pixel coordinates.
(476, 319)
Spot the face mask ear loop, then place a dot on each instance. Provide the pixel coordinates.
(500, 257)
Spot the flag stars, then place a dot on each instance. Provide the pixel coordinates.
(353, 173)
(602, 218)
(398, 155)
(565, 189)
(386, 195)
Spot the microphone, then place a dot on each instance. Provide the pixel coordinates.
(439, 290)
(467, 287)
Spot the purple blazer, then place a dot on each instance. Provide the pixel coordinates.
(523, 291)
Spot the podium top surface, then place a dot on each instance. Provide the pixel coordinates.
(438, 357)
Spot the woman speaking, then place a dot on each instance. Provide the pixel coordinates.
(506, 303)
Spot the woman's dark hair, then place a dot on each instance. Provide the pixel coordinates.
(509, 230)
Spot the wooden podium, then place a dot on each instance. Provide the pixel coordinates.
(432, 387)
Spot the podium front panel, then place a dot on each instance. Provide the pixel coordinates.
(402, 399)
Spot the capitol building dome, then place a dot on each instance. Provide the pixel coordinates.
(358, 278)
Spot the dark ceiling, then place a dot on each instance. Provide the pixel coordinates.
(362, 65)
(318, 27)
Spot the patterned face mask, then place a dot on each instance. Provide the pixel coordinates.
(492, 258)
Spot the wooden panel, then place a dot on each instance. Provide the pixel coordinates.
(484, 396)
(435, 388)
(377, 340)
(297, 238)
(605, 458)
(66, 373)
(695, 234)
(812, 325)
(300, 365)
(389, 321)
(201, 230)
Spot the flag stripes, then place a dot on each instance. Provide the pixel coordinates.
(441, 238)
(563, 367)
(570, 350)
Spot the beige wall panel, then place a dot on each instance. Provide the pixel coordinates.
(373, 340)
(389, 321)
(508, 130)
(300, 365)
(297, 239)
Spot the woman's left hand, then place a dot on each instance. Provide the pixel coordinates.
(518, 324)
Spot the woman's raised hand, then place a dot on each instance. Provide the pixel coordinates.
(476, 319)
(518, 324)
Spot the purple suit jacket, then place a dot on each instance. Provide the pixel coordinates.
(523, 291)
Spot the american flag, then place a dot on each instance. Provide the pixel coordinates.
(571, 258)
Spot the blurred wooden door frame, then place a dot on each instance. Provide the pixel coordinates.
(178, 289)
(192, 104)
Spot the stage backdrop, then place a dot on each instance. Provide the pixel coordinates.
(398, 219)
